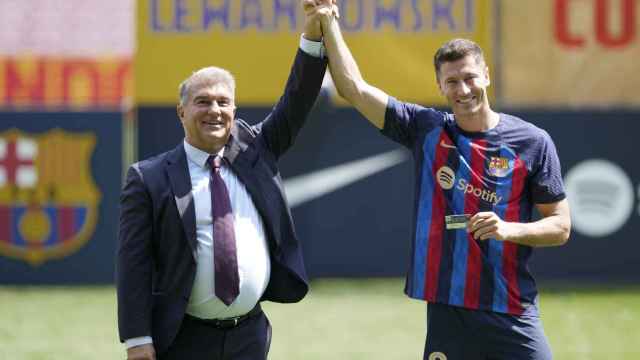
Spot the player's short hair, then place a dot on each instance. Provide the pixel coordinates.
(212, 75)
(457, 49)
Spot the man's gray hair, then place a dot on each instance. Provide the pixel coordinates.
(212, 75)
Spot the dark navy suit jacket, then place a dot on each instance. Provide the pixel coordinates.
(156, 260)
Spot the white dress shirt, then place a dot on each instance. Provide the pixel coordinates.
(254, 266)
(251, 244)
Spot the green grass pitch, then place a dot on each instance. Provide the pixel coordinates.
(340, 319)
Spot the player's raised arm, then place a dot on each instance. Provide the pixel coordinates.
(369, 100)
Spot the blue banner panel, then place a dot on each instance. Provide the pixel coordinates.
(351, 190)
(60, 179)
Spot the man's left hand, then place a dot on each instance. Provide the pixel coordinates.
(313, 9)
(488, 225)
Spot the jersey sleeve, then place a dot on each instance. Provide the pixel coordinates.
(546, 183)
(405, 122)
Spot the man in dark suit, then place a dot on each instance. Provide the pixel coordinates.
(205, 230)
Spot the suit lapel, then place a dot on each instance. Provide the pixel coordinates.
(246, 164)
(243, 159)
(234, 145)
(178, 172)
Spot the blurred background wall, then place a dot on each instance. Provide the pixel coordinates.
(66, 80)
(88, 87)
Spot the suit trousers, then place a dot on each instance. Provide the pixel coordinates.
(249, 340)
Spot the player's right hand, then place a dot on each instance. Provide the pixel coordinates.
(142, 352)
(311, 7)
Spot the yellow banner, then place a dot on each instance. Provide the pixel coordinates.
(576, 53)
(28, 82)
(393, 41)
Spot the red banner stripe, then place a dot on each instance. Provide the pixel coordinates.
(5, 225)
(66, 224)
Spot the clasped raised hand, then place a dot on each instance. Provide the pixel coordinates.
(318, 13)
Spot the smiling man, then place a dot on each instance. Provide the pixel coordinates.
(479, 176)
(205, 231)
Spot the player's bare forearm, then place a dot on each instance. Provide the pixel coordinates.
(370, 101)
(552, 230)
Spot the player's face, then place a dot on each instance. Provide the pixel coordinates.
(208, 115)
(464, 82)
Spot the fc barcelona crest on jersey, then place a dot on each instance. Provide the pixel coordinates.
(48, 198)
(500, 166)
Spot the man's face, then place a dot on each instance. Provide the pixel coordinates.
(464, 82)
(208, 115)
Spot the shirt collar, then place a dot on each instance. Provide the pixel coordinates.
(198, 156)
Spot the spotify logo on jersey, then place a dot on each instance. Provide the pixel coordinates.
(446, 177)
(601, 196)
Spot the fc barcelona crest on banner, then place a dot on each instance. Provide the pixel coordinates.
(48, 197)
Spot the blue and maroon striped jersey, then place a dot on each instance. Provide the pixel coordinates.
(506, 170)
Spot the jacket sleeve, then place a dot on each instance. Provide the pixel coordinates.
(134, 258)
(282, 125)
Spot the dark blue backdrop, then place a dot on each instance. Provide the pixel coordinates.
(364, 229)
